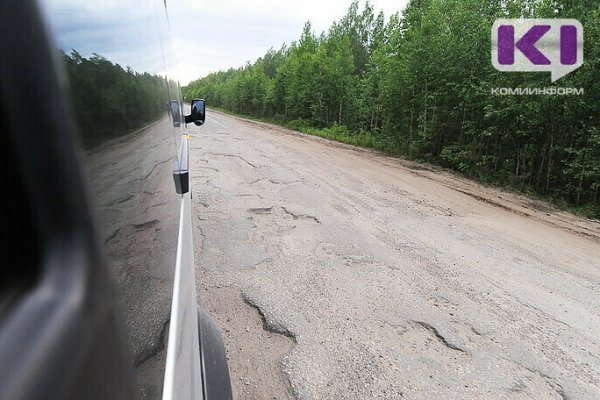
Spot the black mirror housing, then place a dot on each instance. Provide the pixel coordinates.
(198, 114)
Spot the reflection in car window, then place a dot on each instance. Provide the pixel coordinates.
(125, 99)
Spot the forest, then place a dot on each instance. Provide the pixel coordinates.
(419, 84)
(110, 101)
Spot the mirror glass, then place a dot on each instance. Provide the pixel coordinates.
(198, 111)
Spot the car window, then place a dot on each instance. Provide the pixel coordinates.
(119, 69)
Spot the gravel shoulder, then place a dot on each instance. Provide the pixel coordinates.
(340, 273)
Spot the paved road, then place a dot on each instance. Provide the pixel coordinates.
(132, 183)
(380, 278)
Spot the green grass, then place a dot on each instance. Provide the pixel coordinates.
(337, 133)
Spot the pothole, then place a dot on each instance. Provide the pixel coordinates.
(255, 348)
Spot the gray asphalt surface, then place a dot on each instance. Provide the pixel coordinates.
(391, 279)
(138, 210)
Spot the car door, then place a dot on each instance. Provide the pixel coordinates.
(99, 164)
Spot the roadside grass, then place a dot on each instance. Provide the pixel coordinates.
(341, 134)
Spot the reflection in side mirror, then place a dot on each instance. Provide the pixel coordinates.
(198, 115)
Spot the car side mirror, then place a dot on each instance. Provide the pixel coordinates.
(198, 112)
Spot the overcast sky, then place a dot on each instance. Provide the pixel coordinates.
(207, 35)
(216, 35)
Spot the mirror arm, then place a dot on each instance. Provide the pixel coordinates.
(188, 119)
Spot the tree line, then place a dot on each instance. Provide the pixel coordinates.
(419, 83)
(109, 101)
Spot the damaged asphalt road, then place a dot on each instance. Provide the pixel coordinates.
(135, 202)
(337, 273)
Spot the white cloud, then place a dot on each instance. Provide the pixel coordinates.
(128, 37)
(207, 36)
(220, 35)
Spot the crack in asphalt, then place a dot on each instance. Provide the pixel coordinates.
(256, 180)
(118, 201)
(155, 348)
(439, 336)
(162, 203)
(249, 195)
(282, 182)
(154, 167)
(537, 311)
(261, 210)
(231, 155)
(146, 224)
(268, 210)
(303, 216)
(123, 200)
(269, 326)
(112, 235)
(202, 246)
(553, 382)
(211, 168)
